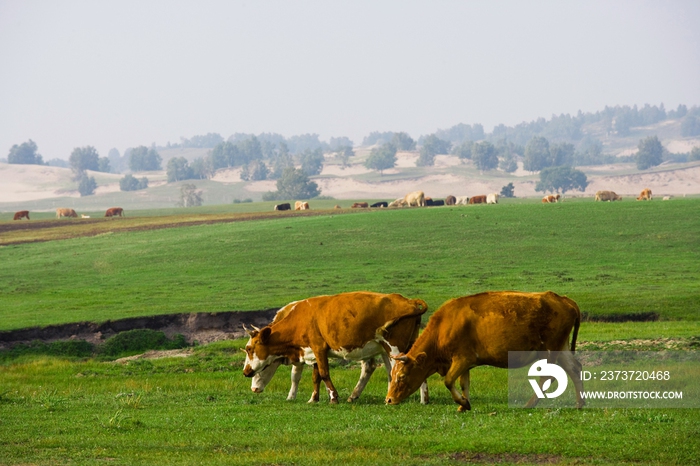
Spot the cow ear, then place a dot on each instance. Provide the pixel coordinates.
(420, 358)
(265, 335)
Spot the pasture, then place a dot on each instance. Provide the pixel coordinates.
(612, 258)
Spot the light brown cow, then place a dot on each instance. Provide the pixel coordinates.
(114, 212)
(360, 205)
(492, 198)
(481, 199)
(480, 330)
(305, 206)
(400, 202)
(65, 212)
(297, 205)
(645, 195)
(415, 199)
(607, 196)
(450, 200)
(401, 336)
(21, 214)
(462, 200)
(551, 199)
(350, 325)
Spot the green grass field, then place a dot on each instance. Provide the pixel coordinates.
(612, 258)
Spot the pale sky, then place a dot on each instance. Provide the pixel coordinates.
(128, 73)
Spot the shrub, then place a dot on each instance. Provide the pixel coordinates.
(137, 341)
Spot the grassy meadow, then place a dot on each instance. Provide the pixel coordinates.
(611, 258)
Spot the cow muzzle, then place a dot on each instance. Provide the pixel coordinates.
(248, 371)
(257, 389)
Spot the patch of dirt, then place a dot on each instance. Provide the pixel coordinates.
(202, 327)
(640, 344)
(155, 354)
(509, 458)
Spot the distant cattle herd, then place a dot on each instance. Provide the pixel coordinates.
(413, 199)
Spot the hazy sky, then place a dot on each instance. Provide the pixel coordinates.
(127, 73)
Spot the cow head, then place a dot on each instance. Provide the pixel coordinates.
(262, 378)
(407, 375)
(258, 356)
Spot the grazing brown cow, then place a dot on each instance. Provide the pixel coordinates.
(285, 206)
(478, 199)
(645, 195)
(415, 199)
(21, 214)
(65, 212)
(607, 196)
(337, 207)
(400, 336)
(360, 205)
(297, 205)
(305, 206)
(450, 200)
(480, 330)
(550, 199)
(351, 325)
(114, 212)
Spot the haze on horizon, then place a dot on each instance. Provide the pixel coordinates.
(128, 73)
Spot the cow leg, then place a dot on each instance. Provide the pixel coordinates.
(368, 367)
(457, 370)
(424, 396)
(324, 373)
(573, 369)
(317, 385)
(464, 383)
(297, 369)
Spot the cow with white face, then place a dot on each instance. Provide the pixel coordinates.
(351, 326)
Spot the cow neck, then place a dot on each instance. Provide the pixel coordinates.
(426, 344)
(288, 337)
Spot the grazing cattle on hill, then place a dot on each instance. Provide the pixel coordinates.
(645, 195)
(666, 198)
(285, 206)
(114, 212)
(492, 198)
(607, 196)
(297, 205)
(21, 214)
(551, 198)
(399, 335)
(65, 212)
(337, 207)
(401, 202)
(428, 201)
(434, 202)
(360, 205)
(480, 330)
(415, 199)
(481, 199)
(462, 200)
(305, 206)
(352, 325)
(380, 204)
(450, 200)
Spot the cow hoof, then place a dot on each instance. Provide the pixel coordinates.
(334, 401)
(351, 399)
(462, 408)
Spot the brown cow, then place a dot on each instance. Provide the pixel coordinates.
(21, 214)
(297, 205)
(65, 212)
(550, 199)
(351, 325)
(480, 330)
(478, 199)
(645, 195)
(401, 336)
(360, 205)
(114, 212)
(607, 196)
(450, 200)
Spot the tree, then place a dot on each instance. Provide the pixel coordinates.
(344, 153)
(650, 154)
(282, 161)
(84, 158)
(254, 171)
(561, 179)
(402, 141)
(382, 158)
(178, 169)
(103, 165)
(690, 126)
(202, 168)
(131, 183)
(561, 154)
(463, 150)
(224, 155)
(312, 161)
(425, 158)
(484, 156)
(25, 153)
(144, 159)
(694, 154)
(86, 185)
(508, 163)
(294, 184)
(433, 145)
(536, 154)
(508, 190)
(189, 196)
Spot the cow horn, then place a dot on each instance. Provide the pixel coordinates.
(250, 333)
(400, 357)
(255, 328)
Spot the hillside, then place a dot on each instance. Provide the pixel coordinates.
(43, 188)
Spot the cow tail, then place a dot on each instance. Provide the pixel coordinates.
(577, 324)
